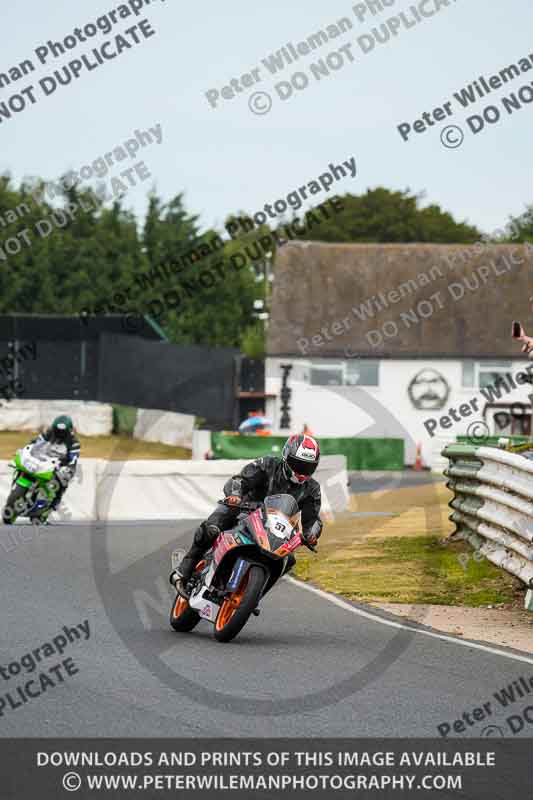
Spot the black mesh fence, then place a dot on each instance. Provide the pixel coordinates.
(63, 358)
(185, 378)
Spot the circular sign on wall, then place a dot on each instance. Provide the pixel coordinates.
(429, 390)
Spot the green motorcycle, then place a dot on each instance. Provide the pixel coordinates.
(35, 483)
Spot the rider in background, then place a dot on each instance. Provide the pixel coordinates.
(290, 474)
(61, 432)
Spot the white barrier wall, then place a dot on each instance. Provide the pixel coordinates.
(96, 419)
(80, 500)
(201, 443)
(166, 427)
(186, 489)
(129, 490)
(90, 419)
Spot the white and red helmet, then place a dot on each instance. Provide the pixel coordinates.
(301, 454)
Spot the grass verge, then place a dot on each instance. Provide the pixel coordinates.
(109, 447)
(405, 558)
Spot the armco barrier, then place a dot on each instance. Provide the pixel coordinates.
(361, 454)
(151, 490)
(493, 505)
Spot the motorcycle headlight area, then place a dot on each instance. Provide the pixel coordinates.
(31, 464)
(279, 526)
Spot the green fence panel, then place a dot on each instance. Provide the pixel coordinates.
(361, 454)
(491, 441)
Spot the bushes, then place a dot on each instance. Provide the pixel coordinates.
(124, 419)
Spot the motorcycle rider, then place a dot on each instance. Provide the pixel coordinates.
(290, 474)
(61, 432)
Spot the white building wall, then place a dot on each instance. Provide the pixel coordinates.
(387, 410)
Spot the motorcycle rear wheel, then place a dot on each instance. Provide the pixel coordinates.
(236, 609)
(17, 493)
(182, 617)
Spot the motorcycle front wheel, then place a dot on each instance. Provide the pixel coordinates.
(236, 609)
(9, 514)
(182, 617)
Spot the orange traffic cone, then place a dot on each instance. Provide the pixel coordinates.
(418, 460)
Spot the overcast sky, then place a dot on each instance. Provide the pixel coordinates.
(228, 158)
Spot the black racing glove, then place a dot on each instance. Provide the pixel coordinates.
(313, 534)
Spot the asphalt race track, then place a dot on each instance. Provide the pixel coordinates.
(305, 667)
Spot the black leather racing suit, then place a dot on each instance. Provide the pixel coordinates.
(257, 480)
(71, 447)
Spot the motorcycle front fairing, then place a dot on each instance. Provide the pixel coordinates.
(231, 548)
(275, 536)
(35, 465)
(255, 540)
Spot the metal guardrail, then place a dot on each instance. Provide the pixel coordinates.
(492, 506)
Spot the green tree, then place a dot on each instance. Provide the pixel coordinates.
(169, 230)
(219, 313)
(382, 216)
(84, 260)
(521, 228)
(76, 253)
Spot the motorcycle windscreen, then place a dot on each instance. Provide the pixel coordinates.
(48, 451)
(39, 460)
(283, 503)
(281, 520)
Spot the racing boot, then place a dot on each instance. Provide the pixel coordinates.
(180, 577)
(182, 574)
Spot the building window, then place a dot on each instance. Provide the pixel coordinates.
(325, 375)
(356, 372)
(484, 373)
(490, 371)
(469, 374)
(362, 373)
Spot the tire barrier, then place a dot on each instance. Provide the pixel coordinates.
(492, 506)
